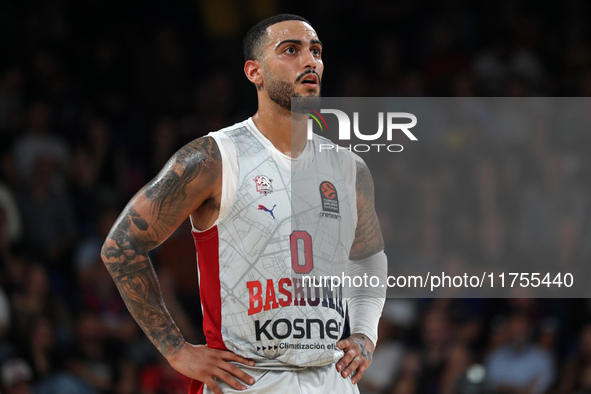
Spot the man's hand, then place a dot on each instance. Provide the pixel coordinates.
(204, 364)
(358, 355)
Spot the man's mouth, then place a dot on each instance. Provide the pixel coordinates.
(310, 80)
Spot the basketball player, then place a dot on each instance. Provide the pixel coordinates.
(266, 332)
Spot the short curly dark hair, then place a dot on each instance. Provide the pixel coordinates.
(254, 38)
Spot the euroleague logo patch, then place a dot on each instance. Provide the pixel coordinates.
(330, 201)
(328, 190)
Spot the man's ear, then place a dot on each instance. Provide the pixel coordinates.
(252, 69)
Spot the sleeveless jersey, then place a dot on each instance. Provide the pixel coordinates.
(281, 220)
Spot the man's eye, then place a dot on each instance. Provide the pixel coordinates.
(290, 50)
(316, 52)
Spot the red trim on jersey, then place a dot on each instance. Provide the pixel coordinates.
(207, 245)
(196, 387)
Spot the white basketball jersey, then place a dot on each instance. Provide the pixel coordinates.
(280, 219)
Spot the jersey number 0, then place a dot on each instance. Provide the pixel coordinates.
(301, 241)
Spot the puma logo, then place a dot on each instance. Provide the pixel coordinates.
(264, 208)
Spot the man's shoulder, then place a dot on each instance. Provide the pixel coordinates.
(229, 130)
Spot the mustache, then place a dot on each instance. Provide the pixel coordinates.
(308, 71)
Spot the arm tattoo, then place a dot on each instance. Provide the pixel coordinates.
(198, 157)
(125, 251)
(361, 344)
(128, 263)
(368, 235)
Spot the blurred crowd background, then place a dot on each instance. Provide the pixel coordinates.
(96, 95)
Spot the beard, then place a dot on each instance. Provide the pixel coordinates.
(281, 93)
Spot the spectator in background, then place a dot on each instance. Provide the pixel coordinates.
(585, 381)
(168, 289)
(10, 219)
(99, 295)
(38, 141)
(397, 318)
(504, 60)
(436, 340)
(90, 360)
(37, 299)
(7, 349)
(96, 289)
(6, 257)
(47, 215)
(98, 171)
(546, 204)
(459, 359)
(16, 377)
(486, 180)
(519, 364)
(405, 385)
(43, 353)
(568, 253)
(87, 254)
(408, 380)
(576, 373)
(493, 251)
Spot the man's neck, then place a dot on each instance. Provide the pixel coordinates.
(275, 123)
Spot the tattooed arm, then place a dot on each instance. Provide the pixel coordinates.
(367, 255)
(189, 184)
(368, 235)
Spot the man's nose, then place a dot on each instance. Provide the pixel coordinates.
(309, 61)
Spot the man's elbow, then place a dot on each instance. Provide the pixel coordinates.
(109, 251)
